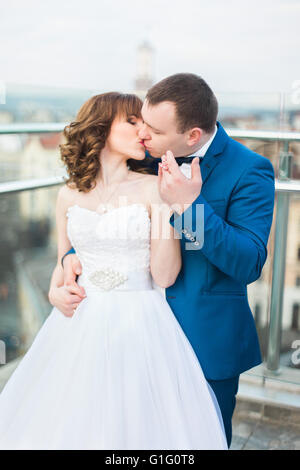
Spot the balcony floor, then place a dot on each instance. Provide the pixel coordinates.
(257, 434)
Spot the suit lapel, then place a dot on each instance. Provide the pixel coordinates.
(213, 154)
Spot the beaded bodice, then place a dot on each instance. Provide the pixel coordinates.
(113, 248)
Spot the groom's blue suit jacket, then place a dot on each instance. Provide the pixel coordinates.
(209, 297)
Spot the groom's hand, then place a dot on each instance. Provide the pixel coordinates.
(175, 188)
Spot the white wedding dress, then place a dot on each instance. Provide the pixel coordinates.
(120, 373)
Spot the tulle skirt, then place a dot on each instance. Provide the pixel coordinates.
(119, 374)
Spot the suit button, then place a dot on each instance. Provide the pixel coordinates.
(197, 243)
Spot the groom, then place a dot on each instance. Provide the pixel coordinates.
(235, 188)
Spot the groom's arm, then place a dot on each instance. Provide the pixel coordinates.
(72, 250)
(72, 270)
(238, 245)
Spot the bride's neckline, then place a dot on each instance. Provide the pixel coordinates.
(143, 206)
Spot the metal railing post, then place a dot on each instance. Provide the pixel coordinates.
(279, 260)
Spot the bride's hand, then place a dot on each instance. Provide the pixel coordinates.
(175, 188)
(72, 268)
(164, 163)
(65, 299)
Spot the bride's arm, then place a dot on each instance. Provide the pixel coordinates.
(63, 242)
(165, 255)
(59, 295)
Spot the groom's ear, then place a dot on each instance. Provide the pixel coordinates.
(194, 135)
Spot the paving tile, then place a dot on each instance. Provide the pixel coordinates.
(277, 414)
(237, 443)
(264, 435)
(249, 409)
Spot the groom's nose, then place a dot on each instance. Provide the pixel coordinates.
(143, 132)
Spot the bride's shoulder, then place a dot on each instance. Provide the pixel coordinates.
(150, 180)
(151, 190)
(66, 191)
(66, 195)
(147, 181)
(138, 176)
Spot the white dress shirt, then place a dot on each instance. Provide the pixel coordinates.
(186, 167)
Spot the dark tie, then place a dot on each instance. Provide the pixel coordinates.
(151, 163)
(181, 160)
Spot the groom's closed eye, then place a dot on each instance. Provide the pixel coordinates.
(155, 131)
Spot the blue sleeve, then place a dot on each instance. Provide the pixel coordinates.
(72, 250)
(238, 245)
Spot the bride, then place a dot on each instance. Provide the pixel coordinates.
(113, 370)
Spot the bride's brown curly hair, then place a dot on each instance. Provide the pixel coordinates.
(86, 137)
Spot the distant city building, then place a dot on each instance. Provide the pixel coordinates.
(40, 159)
(296, 121)
(144, 76)
(6, 117)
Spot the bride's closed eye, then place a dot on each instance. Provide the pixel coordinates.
(132, 120)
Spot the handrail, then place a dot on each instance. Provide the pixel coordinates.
(32, 128)
(41, 128)
(291, 186)
(282, 136)
(30, 184)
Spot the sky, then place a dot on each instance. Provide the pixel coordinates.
(237, 46)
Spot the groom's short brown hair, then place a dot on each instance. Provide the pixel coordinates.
(196, 104)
